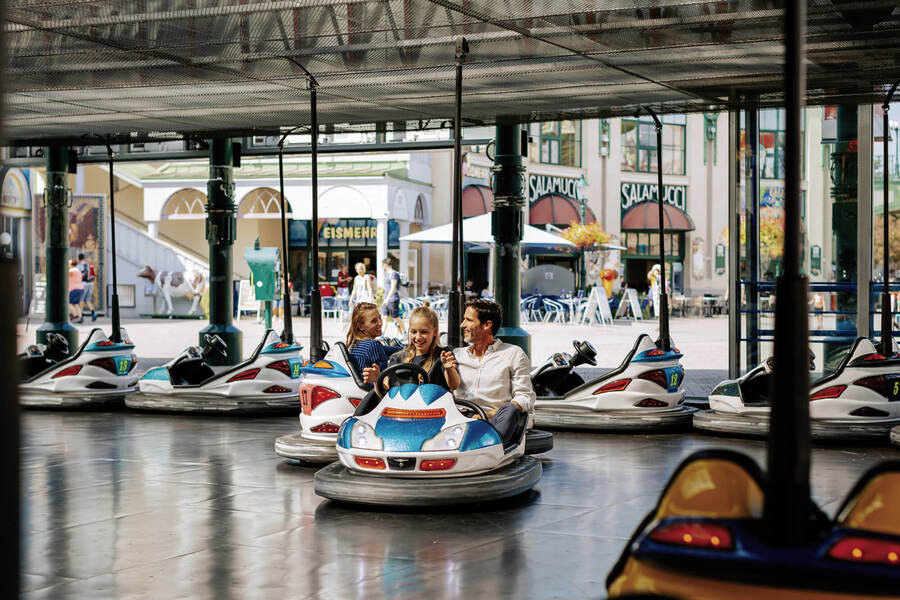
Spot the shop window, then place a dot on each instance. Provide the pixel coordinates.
(639, 152)
(560, 143)
(771, 143)
(646, 244)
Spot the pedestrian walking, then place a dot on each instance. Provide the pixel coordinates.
(76, 291)
(88, 276)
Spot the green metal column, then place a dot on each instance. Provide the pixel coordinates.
(221, 230)
(507, 229)
(844, 211)
(56, 319)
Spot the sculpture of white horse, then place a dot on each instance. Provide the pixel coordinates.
(183, 283)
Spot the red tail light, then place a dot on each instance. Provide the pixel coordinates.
(355, 401)
(321, 394)
(370, 463)
(867, 550)
(697, 535)
(658, 377)
(879, 384)
(244, 375)
(875, 356)
(104, 363)
(326, 428)
(68, 371)
(282, 365)
(441, 464)
(656, 353)
(615, 386)
(276, 389)
(651, 403)
(106, 343)
(868, 411)
(829, 392)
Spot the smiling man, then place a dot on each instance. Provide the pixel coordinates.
(493, 374)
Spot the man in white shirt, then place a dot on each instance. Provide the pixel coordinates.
(493, 374)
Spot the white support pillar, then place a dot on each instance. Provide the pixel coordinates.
(425, 271)
(153, 229)
(404, 249)
(381, 248)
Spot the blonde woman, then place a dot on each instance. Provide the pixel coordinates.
(363, 287)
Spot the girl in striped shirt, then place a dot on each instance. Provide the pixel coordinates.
(365, 349)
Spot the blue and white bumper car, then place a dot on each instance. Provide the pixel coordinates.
(98, 374)
(416, 448)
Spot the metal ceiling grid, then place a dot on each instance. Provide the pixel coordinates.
(137, 69)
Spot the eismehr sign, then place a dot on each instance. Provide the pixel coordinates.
(631, 193)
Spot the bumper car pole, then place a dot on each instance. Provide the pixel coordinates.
(886, 326)
(455, 301)
(288, 335)
(663, 297)
(787, 497)
(114, 301)
(315, 323)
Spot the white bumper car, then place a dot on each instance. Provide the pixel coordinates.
(860, 400)
(98, 374)
(644, 393)
(267, 382)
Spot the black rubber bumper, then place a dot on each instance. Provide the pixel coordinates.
(72, 401)
(895, 436)
(296, 447)
(538, 441)
(214, 404)
(649, 421)
(337, 482)
(821, 430)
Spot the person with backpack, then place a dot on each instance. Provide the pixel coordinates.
(88, 275)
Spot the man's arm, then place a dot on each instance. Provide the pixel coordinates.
(520, 381)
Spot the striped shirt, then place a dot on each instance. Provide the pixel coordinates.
(364, 353)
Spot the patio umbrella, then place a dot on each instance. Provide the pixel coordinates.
(477, 230)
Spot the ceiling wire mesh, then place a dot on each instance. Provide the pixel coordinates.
(145, 69)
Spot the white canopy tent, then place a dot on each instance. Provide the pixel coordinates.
(477, 230)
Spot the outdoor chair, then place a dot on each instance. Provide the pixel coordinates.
(330, 307)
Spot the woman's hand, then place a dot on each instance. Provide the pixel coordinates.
(448, 360)
(370, 374)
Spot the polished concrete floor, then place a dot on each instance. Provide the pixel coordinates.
(126, 505)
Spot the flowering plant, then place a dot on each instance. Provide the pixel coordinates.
(585, 236)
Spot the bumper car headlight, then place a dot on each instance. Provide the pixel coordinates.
(448, 439)
(363, 436)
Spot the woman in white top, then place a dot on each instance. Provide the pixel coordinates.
(363, 287)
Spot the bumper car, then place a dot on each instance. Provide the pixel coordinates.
(415, 447)
(98, 374)
(644, 393)
(331, 391)
(860, 400)
(267, 382)
(706, 539)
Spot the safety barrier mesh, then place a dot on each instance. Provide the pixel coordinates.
(143, 69)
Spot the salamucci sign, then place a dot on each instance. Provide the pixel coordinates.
(632, 193)
(541, 185)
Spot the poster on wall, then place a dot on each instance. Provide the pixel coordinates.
(86, 236)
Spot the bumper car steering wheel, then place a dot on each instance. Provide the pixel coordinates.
(477, 410)
(214, 342)
(398, 375)
(57, 344)
(585, 352)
